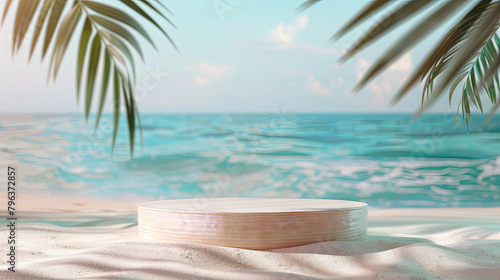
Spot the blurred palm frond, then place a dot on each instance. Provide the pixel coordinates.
(468, 54)
(104, 49)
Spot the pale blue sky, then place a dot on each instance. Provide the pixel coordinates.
(254, 56)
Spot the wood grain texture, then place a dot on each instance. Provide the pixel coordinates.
(253, 223)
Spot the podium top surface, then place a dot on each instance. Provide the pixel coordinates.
(250, 205)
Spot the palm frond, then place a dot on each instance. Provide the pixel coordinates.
(6, 9)
(391, 21)
(44, 12)
(25, 12)
(54, 16)
(493, 72)
(419, 32)
(482, 31)
(439, 59)
(140, 11)
(472, 79)
(105, 47)
(371, 8)
(467, 54)
(307, 5)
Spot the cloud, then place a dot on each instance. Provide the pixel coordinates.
(379, 89)
(390, 79)
(301, 22)
(200, 81)
(404, 63)
(203, 73)
(314, 86)
(285, 33)
(283, 37)
(336, 82)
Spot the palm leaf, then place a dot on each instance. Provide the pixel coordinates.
(104, 86)
(95, 52)
(468, 54)
(482, 33)
(44, 11)
(28, 11)
(116, 106)
(367, 11)
(493, 69)
(123, 48)
(307, 5)
(161, 4)
(140, 11)
(419, 32)
(6, 10)
(152, 7)
(120, 16)
(55, 15)
(396, 17)
(130, 111)
(439, 58)
(82, 51)
(22, 6)
(64, 35)
(117, 29)
(107, 52)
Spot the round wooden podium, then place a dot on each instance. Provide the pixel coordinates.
(253, 223)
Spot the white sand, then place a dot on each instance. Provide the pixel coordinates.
(90, 242)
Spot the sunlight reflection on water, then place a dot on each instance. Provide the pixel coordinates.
(383, 160)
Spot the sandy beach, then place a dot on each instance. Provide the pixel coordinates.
(91, 239)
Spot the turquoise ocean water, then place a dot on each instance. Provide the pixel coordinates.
(384, 160)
